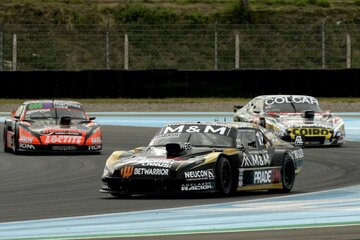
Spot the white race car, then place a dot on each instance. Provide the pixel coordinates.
(297, 119)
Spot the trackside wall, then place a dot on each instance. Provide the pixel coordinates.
(173, 83)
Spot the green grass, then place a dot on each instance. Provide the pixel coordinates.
(173, 11)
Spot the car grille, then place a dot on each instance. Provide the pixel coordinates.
(63, 148)
(144, 185)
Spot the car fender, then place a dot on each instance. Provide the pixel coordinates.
(278, 157)
(115, 157)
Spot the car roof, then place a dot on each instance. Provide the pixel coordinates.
(282, 95)
(48, 101)
(216, 123)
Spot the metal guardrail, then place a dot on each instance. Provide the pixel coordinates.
(182, 47)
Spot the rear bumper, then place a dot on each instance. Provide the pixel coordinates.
(316, 141)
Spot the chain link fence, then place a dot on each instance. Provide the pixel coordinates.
(182, 47)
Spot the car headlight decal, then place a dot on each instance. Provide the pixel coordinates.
(27, 138)
(95, 138)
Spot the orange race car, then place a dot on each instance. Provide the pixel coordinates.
(51, 126)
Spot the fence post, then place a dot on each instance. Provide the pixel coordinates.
(348, 50)
(215, 48)
(237, 52)
(1, 51)
(323, 43)
(14, 53)
(126, 52)
(107, 47)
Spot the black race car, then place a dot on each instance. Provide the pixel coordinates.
(51, 126)
(204, 157)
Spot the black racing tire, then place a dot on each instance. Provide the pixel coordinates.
(287, 175)
(16, 141)
(224, 177)
(6, 149)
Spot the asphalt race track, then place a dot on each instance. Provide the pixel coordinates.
(52, 186)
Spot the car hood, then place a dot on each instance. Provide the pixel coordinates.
(156, 158)
(51, 127)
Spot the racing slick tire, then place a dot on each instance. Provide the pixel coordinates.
(6, 149)
(16, 141)
(287, 175)
(224, 177)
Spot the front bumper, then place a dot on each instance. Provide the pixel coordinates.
(60, 148)
(152, 185)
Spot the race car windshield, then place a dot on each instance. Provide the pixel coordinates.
(195, 139)
(52, 113)
(291, 104)
(197, 136)
(292, 108)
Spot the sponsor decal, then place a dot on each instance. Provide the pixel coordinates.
(186, 146)
(260, 137)
(62, 131)
(196, 129)
(297, 154)
(127, 172)
(279, 133)
(167, 135)
(26, 146)
(67, 105)
(310, 132)
(156, 162)
(38, 111)
(63, 139)
(197, 186)
(309, 125)
(25, 139)
(96, 140)
(276, 176)
(295, 99)
(299, 140)
(252, 160)
(35, 105)
(262, 177)
(151, 171)
(63, 148)
(200, 175)
(241, 177)
(95, 147)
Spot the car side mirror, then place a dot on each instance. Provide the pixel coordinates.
(92, 118)
(236, 107)
(13, 113)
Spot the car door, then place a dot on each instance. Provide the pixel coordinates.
(255, 167)
(256, 148)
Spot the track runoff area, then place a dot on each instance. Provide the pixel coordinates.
(56, 197)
